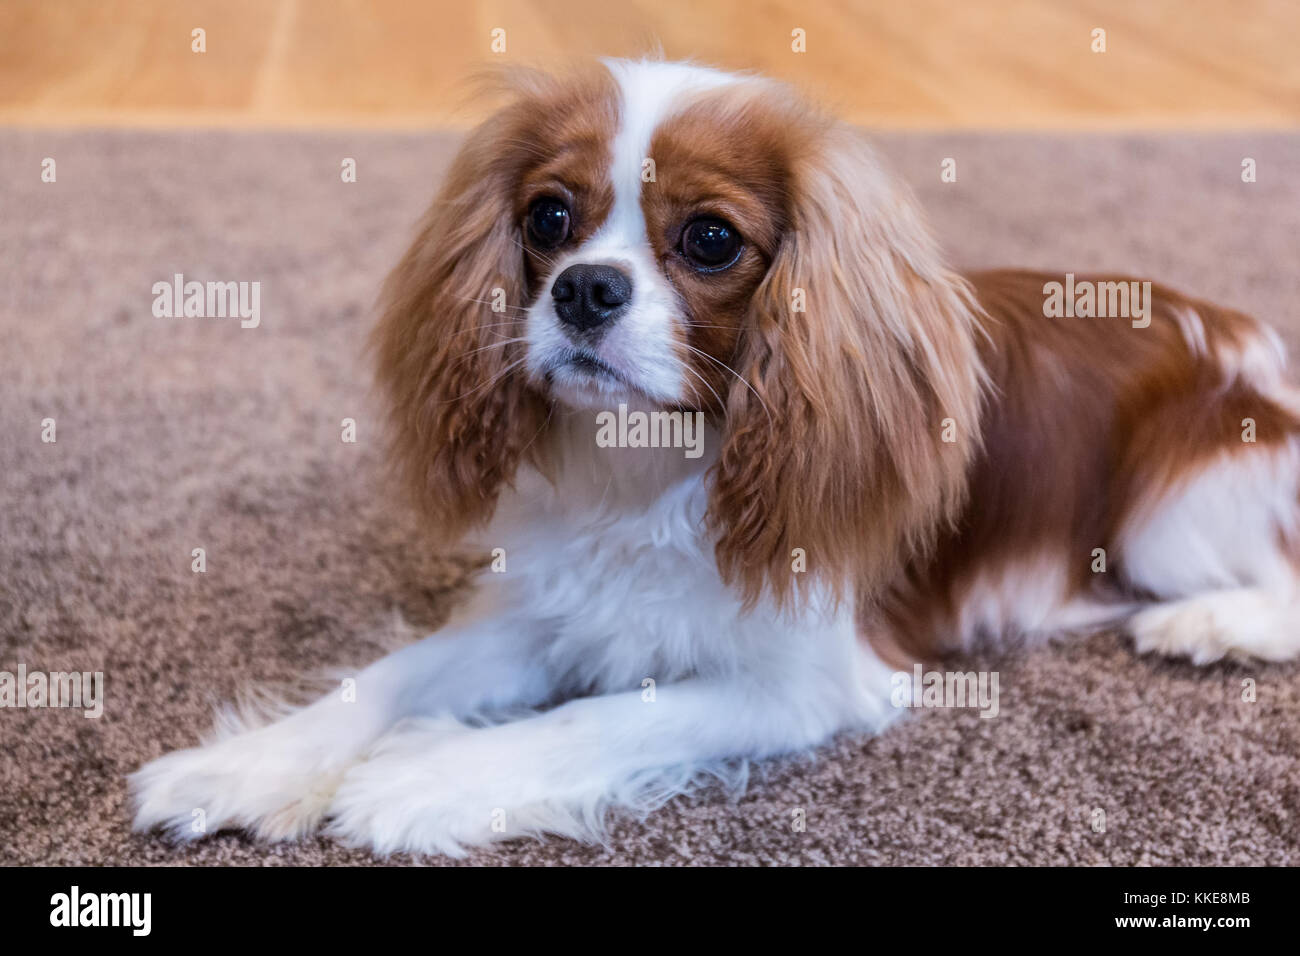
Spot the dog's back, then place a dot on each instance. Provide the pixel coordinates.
(1137, 444)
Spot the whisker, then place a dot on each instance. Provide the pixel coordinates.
(721, 403)
(492, 345)
(495, 325)
(537, 252)
(540, 430)
(492, 381)
(739, 378)
(466, 298)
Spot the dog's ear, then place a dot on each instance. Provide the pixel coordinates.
(848, 448)
(461, 411)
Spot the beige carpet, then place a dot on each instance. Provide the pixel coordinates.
(174, 434)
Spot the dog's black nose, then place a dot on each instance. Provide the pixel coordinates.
(588, 296)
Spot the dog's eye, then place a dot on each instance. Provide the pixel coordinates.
(548, 222)
(711, 244)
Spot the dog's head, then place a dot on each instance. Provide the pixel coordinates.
(666, 235)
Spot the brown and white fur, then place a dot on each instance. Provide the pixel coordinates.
(898, 460)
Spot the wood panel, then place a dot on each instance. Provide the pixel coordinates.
(996, 63)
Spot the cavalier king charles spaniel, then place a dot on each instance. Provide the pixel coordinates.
(894, 461)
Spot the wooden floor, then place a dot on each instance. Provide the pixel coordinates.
(403, 63)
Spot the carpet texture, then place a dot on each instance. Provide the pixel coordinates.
(175, 434)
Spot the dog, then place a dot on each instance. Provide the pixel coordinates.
(895, 461)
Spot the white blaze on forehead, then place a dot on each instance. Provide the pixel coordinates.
(650, 91)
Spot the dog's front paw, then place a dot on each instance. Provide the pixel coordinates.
(242, 781)
(437, 787)
(416, 794)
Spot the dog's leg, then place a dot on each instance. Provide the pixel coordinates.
(1219, 549)
(276, 780)
(424, 791)
(1249, 622)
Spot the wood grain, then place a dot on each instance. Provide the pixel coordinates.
(404, 63)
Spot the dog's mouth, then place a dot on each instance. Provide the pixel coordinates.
(580, 367)
(582, 379)
(587, 364)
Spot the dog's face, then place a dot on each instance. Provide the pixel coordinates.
(674, 237)
(646, 228)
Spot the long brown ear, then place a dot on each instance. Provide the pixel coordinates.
(461, 412)
(854, 440)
